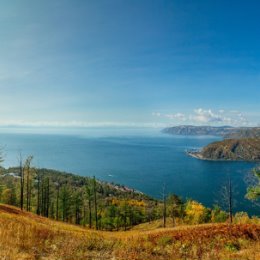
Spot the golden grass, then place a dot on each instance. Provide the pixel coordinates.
(27, 236)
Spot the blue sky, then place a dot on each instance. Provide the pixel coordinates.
(129, 63)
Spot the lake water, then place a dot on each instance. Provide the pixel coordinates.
(143, 159)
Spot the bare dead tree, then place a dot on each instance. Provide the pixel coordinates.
(230, 200)
(89, 199)
(95, 200)
(38, 193)
(47, 192)
(21, 173)
(57, 201)
(164, 204)
(226, 197)
(27, 168)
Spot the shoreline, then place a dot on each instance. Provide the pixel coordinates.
(199, 156)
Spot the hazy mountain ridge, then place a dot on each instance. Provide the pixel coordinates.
(223, 131)
(199, 130)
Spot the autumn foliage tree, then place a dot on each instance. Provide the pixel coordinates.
(196, 213)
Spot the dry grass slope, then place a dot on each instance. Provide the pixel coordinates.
(27, 236)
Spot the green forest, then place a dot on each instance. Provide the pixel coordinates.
(105, 206)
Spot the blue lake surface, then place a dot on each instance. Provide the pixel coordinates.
(141, 159)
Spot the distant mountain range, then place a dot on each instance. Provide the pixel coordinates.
(198, 130)
(240, 143)
(227, 132)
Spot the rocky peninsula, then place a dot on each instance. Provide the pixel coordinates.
(239, 144)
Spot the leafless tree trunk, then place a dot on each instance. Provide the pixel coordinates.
(164, 206)
(21, 182)
(57, 202)
(47, 197)
(226, 196)
(38, 193)
(95, 201)
(230, 201)
(27, 166)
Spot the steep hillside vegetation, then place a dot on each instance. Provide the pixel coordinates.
(253, 132)
(75, 199)
(28, 236)
(232, 149)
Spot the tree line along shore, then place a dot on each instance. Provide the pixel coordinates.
(106, 206)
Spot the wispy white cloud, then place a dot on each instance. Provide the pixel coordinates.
(178, 116)
(208, 116)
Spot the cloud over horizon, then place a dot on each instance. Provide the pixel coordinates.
(76, 124)
(208, 116)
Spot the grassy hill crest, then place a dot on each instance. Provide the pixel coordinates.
(28, 236)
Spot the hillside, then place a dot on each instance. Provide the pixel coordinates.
(253, 132)
(247, 149)
(75, 199)
(28, 236)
